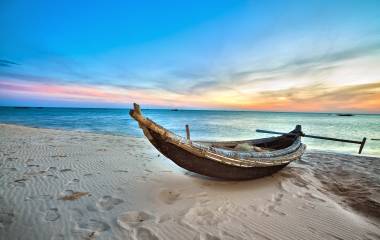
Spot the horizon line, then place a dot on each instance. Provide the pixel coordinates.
(192, 109)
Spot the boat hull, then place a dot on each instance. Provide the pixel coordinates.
(208, 167)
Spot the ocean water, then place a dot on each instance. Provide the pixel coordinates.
(209, 125)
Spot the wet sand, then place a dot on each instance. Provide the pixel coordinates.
(71, 185)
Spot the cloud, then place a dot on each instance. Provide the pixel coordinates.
(319, 97)
(27, 77)
(297, 71)
(314, 97)
(323, 62)
(299, 84)
(7, 63)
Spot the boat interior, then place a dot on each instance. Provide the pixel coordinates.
(259, 145)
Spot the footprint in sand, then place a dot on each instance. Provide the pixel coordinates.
(6, 219)
(142, 233)
(59, 156)
(206, 236)
(51, 176)
(230, 236)
(372, 235)
(65, 193)
(92, 208)
(77, 214)
(168, 196)
(132, 219)
(306, 205)
(203, 216)
(108, 202)
(93, 226)
(59, 236)
(142, 178)
(74, 181)
(52, 168)
(45, 197)
(52, 215)
(32, 165)
(11, 169)
(312, 197)
(164, 218)
(19, 182)
(264, 212)
(273, 207)
(277, 198)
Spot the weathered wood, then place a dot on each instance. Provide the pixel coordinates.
(207, 167)
(312, 136)
(187, 132)
(137, 108)
(219, 159)
(362, 145)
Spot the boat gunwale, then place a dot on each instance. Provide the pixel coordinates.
(283, 156)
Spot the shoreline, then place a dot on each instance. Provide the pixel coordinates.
(71, 130)
(142, 137)
(120, 187)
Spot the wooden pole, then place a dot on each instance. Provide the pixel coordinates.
(187, 132)
(362, 145)
(320, 137)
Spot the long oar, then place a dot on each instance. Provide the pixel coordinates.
(324, 138)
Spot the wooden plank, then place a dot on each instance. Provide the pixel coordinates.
(362, 145)
(187, 132)
(333, 139)
(312, 136)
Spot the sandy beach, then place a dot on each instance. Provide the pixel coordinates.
(58, 184)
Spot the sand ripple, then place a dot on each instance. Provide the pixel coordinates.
(120, 189)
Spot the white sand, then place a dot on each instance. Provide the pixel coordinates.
(136, 193)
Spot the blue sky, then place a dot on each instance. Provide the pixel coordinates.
(259, 55)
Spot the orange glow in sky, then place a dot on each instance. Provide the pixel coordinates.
(358, 98)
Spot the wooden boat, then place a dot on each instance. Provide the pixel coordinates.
(233, 160)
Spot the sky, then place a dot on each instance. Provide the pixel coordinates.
(308, 56)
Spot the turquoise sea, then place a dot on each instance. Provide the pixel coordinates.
(207, 124)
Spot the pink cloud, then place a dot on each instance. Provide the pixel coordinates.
(363, 97)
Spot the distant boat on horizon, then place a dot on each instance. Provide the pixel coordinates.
(345, 114)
